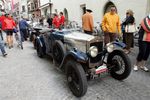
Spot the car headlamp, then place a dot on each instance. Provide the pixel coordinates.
(93, 51)
(110, 47)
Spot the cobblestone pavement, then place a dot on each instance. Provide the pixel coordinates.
(24, 76)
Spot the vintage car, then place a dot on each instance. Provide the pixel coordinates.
(83, 57)
(35, 30)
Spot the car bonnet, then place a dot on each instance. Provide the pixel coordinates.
(79, 36)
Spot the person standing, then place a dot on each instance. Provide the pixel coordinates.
(111, 25)
(9, 25)
(87, 22)
(144, 45)
(23, 25)
(62, 20)
(56, 21)
(49, 21)
(128, 35)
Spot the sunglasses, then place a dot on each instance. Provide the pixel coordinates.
(113, 9)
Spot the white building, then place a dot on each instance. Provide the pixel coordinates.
(74, 9)
(45, 7)
(23, 8)
(19, 8)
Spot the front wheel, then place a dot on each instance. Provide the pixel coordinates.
(76, 78)
(119, 65)
(39, 50)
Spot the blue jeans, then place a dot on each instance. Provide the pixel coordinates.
(2, 46)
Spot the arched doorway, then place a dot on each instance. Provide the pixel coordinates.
(108, 6)
(66, 16)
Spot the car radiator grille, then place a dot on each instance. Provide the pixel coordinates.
(99, 45)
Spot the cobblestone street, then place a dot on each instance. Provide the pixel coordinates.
(24, 76)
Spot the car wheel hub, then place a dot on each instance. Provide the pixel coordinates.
(69, 79)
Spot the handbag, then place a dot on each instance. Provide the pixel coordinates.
(130, 28)
(15, 30)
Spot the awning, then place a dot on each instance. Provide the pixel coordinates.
(44, 6)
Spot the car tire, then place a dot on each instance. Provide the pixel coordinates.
(58, 52)
(76, 78)
(39, 50)
(118, 66)
(34, 42)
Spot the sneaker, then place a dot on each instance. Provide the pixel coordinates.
(145, 69)
(135, 68)
(5, 54)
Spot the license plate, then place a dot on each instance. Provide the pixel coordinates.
(101, 69)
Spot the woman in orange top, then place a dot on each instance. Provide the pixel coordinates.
(9, 25)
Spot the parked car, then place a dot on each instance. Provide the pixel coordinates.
(82, 56)
(35, 31)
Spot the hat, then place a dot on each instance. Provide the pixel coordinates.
(89, 10)
(130, 12)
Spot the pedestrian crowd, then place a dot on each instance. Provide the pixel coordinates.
(113, 29)
(8, 26)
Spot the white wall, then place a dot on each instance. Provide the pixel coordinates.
(74, 11)
(43, 2)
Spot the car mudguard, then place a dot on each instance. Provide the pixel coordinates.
(40, 40)
(75, 55)
(119, 45)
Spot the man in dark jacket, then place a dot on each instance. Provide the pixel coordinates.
(23, 25)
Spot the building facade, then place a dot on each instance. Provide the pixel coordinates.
(74, 9)
(33, 8)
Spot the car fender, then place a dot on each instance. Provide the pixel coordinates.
(74, 55)
(119, 45)
(40, 41)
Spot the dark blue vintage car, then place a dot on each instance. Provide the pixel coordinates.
(83, 57)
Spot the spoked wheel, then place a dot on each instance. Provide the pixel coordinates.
(119, 65)
(39, 50)
(58, 52)
(76, 78)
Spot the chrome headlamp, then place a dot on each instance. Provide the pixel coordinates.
(110, 47)
(93, 51)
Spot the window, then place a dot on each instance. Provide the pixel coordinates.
(23, 9)
(32, 6)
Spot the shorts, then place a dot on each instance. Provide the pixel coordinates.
(9, 32)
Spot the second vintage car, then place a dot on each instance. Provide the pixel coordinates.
(82, 56)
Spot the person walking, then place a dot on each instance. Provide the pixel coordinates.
(144, 45)
(87, 22)
(2, 18)
(129, 24)
(62, 20)
(23, 25)
(2, 47)
(56, 21)
(111, 25)
(9, 25)
(2, 39)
